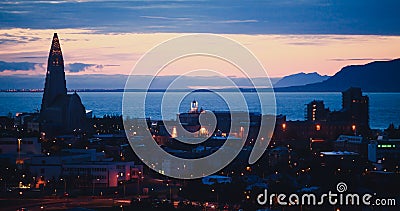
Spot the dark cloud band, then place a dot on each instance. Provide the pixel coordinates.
(25, 66)
(15, 66)
(245, 17)
(81, 67)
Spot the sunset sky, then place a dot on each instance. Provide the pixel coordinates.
(108, 37)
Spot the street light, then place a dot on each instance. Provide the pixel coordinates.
(138, 182)
(354, 128)
(19, 161)
(65, 185)
(93, 186)
(170, 192)
(217, 195)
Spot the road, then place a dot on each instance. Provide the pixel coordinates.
(62, 204)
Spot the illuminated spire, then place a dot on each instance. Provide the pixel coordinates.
(55, 84)
(55, 55)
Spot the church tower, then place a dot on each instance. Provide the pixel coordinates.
(55, 84)
(60, 112)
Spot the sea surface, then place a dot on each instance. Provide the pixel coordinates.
(384, 107)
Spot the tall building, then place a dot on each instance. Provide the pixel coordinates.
(316, 111)
(194, 107)
(356, 106)
(60, 112)
(321, 123)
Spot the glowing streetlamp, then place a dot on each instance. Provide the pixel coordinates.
(354, 129)
(19, 161)
(65, 185)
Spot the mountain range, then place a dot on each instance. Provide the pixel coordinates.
(300, 79)
(377, 76)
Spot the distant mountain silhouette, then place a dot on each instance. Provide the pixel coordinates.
(378, 76)
(300, 79)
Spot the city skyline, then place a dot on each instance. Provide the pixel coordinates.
(165, 105)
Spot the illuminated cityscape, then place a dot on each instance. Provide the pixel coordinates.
(91, 163)
(199, 105)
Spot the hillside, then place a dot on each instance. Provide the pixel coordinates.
(378, 76)
(300, 79)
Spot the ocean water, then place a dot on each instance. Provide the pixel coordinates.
(384, 107)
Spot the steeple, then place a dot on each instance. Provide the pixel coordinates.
(55, 84)
(60, 112)
(55, 55)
